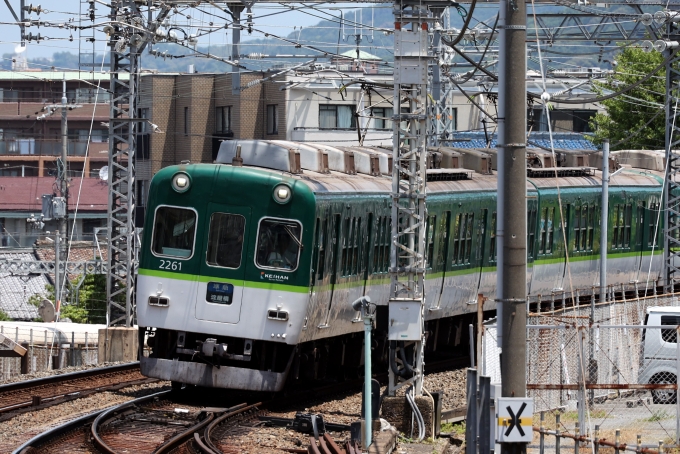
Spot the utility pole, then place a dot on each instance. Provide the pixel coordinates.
(512, 205)
(63, 183)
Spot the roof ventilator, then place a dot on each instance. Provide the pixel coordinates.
(560, 172)
(448, 174)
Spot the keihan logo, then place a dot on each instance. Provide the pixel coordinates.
(273, 277)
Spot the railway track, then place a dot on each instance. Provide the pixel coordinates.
(175, 422)
(29, 395)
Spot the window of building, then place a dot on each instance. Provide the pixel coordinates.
(225, 241)
(143, 126)
(187, 125)
(278, 244)
(223, 119)
(382, 117)
(173, 232)
(336, 116)
(272, 119)
(141, 192)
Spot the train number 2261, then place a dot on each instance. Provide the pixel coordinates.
(171, 265)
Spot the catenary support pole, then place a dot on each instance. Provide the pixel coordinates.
(57, 274)
(63, 183)
(512, 206)
(236, 11)
(603, 230)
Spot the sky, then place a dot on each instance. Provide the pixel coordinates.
(267, 18)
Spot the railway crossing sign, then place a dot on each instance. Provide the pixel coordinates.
(514, 416)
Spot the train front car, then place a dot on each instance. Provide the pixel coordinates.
(223, 282)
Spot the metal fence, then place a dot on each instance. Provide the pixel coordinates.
(611, 381)
(49, 349)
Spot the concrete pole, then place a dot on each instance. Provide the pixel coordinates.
(603, 227)
(512, 205)
(236, 48)
(57, 275)
(64, 155)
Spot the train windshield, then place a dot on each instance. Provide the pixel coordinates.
(225, 243)
(173, 232)
(278, 244)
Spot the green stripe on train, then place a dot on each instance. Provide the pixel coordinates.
(249, 284)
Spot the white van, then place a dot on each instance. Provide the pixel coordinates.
(659, 363)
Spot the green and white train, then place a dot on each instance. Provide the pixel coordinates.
(248, 266)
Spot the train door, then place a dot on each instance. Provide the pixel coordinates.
(640, 222)
(481, 240)
(532, 221)
(223, 263)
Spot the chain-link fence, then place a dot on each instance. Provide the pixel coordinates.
(616, 377)
(49, 349)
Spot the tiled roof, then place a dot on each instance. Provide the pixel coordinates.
(79, 251)
(569, 141)
(25, 194)
(16, 290)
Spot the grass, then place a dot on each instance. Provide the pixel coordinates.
(659, 415)
(456, 429)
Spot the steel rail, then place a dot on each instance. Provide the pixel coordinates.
(46, 437)
(233, 411)
(66, 377)
(182, 436)
(106, 414)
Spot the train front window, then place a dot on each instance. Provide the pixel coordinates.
(278, 244)
(174, 231)
(225, 242)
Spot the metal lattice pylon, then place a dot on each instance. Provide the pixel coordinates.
(409, 213)
(671, 248)
(129, 34)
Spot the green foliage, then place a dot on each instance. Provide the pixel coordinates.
(627, 113)
(456, 429)
(91, 303)
(4, 317)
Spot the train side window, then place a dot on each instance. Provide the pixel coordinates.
(616, 227)
(432, 220)
(543, 231)
(591, 227)
(456, 238)
(225, 240)
(278, 244)
(577, 228)
(387, 243)
(321, 267)
(531, 231)
(174, 232)
(492, 236)
(627, 221)
(550, 228)
(345, 244)
(356, 265)
(653, 230)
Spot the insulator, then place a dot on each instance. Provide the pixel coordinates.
(256, 56)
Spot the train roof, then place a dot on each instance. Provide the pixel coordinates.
(353, 169)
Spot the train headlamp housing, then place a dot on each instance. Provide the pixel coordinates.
(181, 182)
(282, 193)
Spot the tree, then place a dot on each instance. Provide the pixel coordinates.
(629, 112)
(91, 304)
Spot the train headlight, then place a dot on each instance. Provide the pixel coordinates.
(282, 193)
(181, 182)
